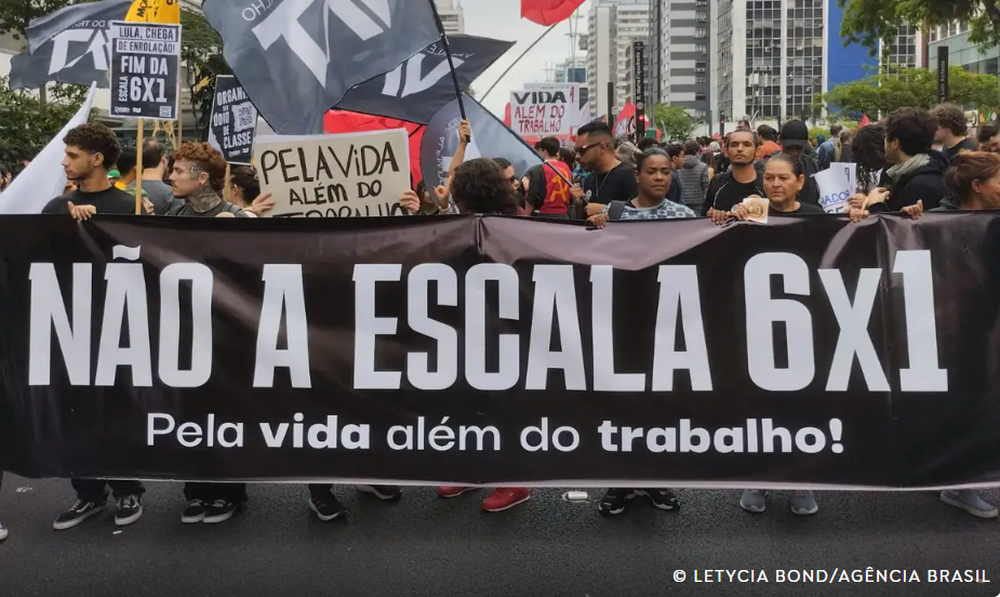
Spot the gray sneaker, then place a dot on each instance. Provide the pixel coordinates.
(3, 531)
(803, 503)
(754, 500)
(969, 501)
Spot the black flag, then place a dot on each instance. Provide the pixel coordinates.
(69, 45)
(416, 89)
(297, 58)
(490, 139)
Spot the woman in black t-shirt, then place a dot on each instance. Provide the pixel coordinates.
(783, 180)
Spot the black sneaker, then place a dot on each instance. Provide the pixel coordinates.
(129, 510)
(220, 511)
(78, 512)
(326, 506)
(382, 492)
(615, 500)
(195, 512)
(664, 499)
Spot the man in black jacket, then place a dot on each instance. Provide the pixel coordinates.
(918, 171)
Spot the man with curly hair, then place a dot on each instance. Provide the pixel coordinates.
(951, 129)
(198, 177)
(91, 151)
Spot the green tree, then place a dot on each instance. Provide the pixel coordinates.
(27, 125)
(674, 121)
(201, 52)
(869, 21)
(900, 87)
(15, 15)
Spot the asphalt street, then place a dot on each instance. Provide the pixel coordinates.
(425, 546)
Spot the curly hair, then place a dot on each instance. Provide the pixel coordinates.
(951, 117)
(208, 159)
(478, 186)
(913, 128)
(95, 138)
(868, 150)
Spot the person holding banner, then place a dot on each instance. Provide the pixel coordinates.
(655, 177)
(610, 178)
(91, 149)
(729, 189)
(198, 176)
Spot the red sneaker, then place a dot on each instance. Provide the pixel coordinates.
(505, 498)
(453, 492)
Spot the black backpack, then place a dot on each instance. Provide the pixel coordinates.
(615, 210)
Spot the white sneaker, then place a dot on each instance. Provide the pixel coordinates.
(3, 531)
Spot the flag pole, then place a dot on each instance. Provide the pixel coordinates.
(138, 167)
(523, 54)
(451, 63)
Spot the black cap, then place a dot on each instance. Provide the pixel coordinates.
(794, 132)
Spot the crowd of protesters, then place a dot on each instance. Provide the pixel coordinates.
(913, 160)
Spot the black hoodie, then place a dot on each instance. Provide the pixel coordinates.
(926, 184)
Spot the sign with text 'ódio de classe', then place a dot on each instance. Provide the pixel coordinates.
(145, 68)
(353, 175)
(544, 112)
(233, 122)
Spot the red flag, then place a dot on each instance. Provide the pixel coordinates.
(864, 121)
(343, 121)
(625, 125)
(548, 12)
(506, 114)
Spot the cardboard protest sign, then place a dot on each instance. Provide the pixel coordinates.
(145, 68)
(835, 189)
(335, 176)
(234, 121)
(545, 112)
(852, 172)
(757, 208)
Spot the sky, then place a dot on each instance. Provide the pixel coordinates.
(501, 19)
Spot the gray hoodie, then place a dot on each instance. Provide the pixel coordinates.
(694, 182)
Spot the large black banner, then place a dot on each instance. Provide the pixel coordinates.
(809, 351)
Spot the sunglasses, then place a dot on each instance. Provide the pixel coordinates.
(586, 148)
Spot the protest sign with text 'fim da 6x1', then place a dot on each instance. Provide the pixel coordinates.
(145, 67)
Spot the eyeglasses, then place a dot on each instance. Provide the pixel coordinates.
(512, 179)
(586, 148)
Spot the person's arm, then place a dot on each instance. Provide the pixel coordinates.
(464, 134)
(710, 196)
(704, 182)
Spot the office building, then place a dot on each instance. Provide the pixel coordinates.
(909, 49)
(681, 52)
(962, 52)
(452, 16)
(772, 58)
(612, 26)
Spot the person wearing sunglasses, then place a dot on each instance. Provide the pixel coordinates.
(611, 179)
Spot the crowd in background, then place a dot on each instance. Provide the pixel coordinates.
(913, 160)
